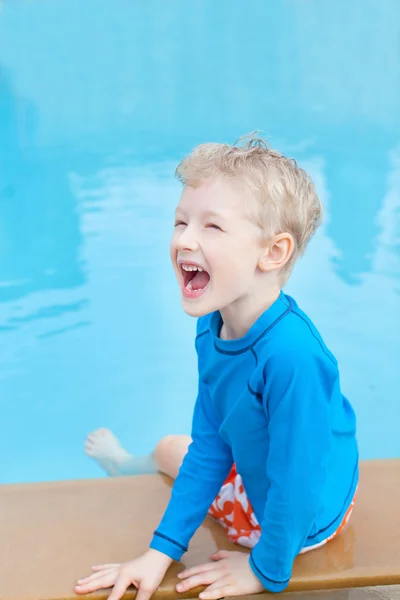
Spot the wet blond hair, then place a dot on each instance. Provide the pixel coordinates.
(286, 197)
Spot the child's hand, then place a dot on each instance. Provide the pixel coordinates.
(229, 575)
(145, 573)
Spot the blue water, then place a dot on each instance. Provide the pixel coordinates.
(98, 101)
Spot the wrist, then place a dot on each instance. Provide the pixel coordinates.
(162, 558)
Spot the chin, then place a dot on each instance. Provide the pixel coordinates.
(193, 310)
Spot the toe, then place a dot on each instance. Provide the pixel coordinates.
(89, 446)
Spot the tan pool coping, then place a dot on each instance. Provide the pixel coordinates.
(51, 534)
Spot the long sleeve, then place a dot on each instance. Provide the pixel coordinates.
(204, 469)
(296, 399)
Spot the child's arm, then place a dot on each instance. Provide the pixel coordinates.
(204, 469)
(297, 403)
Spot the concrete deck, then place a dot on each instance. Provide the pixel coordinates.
(51, 534)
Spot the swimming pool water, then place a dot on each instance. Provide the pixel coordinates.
(98, 102)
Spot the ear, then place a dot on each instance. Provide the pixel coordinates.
(277, 252)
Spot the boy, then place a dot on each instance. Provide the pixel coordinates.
(269, 401)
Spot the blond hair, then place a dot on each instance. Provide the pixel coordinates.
(286, 197)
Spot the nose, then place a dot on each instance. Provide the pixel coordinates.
(187, 240)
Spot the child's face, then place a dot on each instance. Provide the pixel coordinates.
(215, 248)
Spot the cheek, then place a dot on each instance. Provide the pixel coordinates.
(172, 254)
(229, 266)
(172, 245)
(236, 267)
(235, 256)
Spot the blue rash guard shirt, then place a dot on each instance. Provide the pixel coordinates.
(270, 402)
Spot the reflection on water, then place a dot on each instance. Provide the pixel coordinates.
(356, 190)
(92, 331)
(123, 354)
(359, 321)
(39, 227)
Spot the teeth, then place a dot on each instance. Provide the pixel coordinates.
(189, 287)
(191, 268)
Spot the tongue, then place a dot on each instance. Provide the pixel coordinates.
(200, 280)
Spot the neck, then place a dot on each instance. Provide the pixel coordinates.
(240, 316)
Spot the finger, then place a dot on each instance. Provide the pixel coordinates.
(195, 570)
(120, 588)
(199, 580)
(219, 589)
(144, 592)
(109, 566)
(98, 583)
(220, 555)
(97, 575)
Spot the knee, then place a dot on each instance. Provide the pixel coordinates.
(169, 453)
(164, 446)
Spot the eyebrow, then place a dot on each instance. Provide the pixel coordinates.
(213, 214)
(207, 214)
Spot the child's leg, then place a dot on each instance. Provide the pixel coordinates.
(170, 452)
(104, 447)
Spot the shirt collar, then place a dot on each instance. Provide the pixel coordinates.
(264, 323)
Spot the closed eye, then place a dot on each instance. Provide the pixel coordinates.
(213, 226)
(178, 223)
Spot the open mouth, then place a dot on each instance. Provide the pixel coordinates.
(195, 280)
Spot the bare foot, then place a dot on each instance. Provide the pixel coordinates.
(104, 447)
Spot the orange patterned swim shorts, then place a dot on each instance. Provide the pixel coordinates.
(233, 511)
